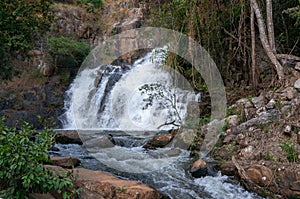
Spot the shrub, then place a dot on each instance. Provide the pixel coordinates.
(22, 154)
(67, 52)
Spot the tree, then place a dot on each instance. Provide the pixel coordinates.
(20, 22)
(267, 38)
(165, 97)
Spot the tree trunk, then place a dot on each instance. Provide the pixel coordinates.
(264, 40)
(253, 54)
(270, 26)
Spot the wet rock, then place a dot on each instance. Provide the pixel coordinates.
(232, 120)
(259, 174)
(297, 85)
(65, 162)
(198, 168)
(169, 153)
(100, 143)
(68, 137)
(228, 168)
(159, 141)
(258, 102)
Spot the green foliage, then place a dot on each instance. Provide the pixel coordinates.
(294, 13)
(67, 52)
(290, 149)
(22, 154)
(20, 22)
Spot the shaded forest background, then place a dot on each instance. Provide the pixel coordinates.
(221, 27)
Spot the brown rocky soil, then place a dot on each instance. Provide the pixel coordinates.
(261, 143)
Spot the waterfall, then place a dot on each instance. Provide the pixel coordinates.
(144, 97)
(110, 97)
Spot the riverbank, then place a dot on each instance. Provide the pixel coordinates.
(261, 143)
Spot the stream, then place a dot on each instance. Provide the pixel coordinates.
(132, 104)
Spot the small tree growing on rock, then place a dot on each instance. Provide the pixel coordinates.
(165, 97)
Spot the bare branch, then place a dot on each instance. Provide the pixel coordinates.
(288, 57)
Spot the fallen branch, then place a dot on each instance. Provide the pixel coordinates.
(287, 57)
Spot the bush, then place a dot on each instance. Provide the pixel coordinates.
(22, 154)
(67, 52)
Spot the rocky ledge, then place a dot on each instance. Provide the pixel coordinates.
(99, 184)
(260, 144)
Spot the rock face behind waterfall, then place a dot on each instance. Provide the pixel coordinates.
(26, 99)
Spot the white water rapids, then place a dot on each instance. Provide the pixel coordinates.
(109, 98)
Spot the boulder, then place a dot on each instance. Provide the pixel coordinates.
(65, 162)
(169, 153)
(67, 137)
(100, 185)
(259, 174)
(159, 141)
(228, 168)
(198, 168)
(99, 143)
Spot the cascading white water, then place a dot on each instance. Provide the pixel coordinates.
(108, 97)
